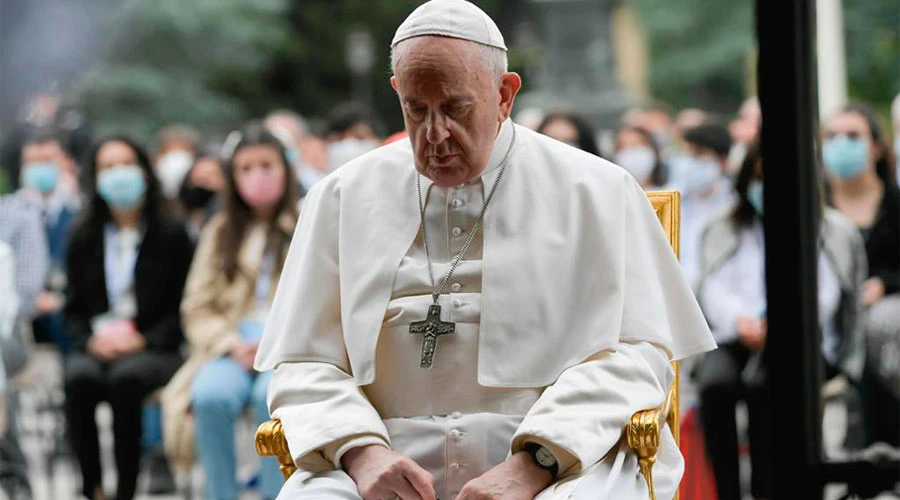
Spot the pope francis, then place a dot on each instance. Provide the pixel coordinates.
(474, 312)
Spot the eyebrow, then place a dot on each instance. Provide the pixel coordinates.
(450, 100)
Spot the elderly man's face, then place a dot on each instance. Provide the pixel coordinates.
(452, 106)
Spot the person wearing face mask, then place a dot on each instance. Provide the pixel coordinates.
(47, 190)
(351, 133)
(637, 152)
(305, 151)
(860, 170)
(227, 298)
(571, 129)
(127, 266)
(698, 172)
(177, 144)
(199, 192)
(732, 294)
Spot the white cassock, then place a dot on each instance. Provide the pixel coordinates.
(569, 307)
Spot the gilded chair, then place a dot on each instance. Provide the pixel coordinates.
(643, 429)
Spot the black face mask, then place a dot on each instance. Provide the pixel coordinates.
(195, 197)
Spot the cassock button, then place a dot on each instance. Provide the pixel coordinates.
(457, 231)
(456, 203)
(456, 287)
(456, 435)
(454, 467)
(457, 304)
(456, 415)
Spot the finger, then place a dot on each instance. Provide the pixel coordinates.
(422, 481)
(404, 489)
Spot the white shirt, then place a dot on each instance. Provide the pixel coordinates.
(696, 212)
(120, 253)
(738, 288)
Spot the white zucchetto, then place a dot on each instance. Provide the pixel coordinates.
(451, 18)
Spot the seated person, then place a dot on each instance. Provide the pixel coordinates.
(47, 165)
(857, 160)
(127, 265)
(698, 171)
(423, 351)
(226, 302)
(732, 294)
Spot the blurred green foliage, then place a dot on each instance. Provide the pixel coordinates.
(200, 62)
(698, 50)
(873, 51)
(217, 63)
(702, 51)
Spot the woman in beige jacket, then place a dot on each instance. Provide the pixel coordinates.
(228, 293)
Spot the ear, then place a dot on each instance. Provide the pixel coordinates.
(394, 83)
(510, 83)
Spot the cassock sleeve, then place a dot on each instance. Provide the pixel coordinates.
(581, 416)
(322, 410)
(323, 413)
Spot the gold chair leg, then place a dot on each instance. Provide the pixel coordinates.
(646, 466)
(270, 441)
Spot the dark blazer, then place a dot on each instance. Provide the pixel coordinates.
(883, 240)
(162, 264)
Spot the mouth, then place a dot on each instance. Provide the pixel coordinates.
(442, 160)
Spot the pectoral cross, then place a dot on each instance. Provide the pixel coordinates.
(431, 327)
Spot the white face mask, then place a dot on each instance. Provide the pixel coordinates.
(638, 161)
(694, 175)
(171, 170)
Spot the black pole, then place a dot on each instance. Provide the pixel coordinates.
(786, 34)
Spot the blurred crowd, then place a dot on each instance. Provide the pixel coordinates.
(151, 269)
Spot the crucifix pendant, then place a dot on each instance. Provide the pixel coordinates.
(431, 328)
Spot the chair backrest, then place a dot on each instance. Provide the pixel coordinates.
(667, 205)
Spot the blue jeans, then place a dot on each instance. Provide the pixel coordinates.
(219, 393)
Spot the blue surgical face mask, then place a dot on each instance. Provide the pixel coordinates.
(293, 156)
(845, 157)
(692, 175)
(40, 176)
(122, 186)
(755, 196)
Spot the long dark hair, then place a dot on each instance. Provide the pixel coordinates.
(97, 214)
(658, 176)
(744, 214)
(586, 140)
(884, 166)
(238, 215)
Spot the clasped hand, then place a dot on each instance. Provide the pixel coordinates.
(382, 474)
(115, 339)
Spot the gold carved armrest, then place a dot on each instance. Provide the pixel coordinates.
(644, 429)
(270, 441)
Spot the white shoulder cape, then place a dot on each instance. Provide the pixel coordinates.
(574, 262)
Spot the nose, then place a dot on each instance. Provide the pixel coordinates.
(436, 132)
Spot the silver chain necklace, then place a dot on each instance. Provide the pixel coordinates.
(432, 327)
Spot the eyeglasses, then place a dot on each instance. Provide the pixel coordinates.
(852, 135)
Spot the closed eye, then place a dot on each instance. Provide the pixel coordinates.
(416, 112)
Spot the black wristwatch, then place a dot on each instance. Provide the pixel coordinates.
(543, 458)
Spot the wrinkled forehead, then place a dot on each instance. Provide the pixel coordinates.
(433, 53)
